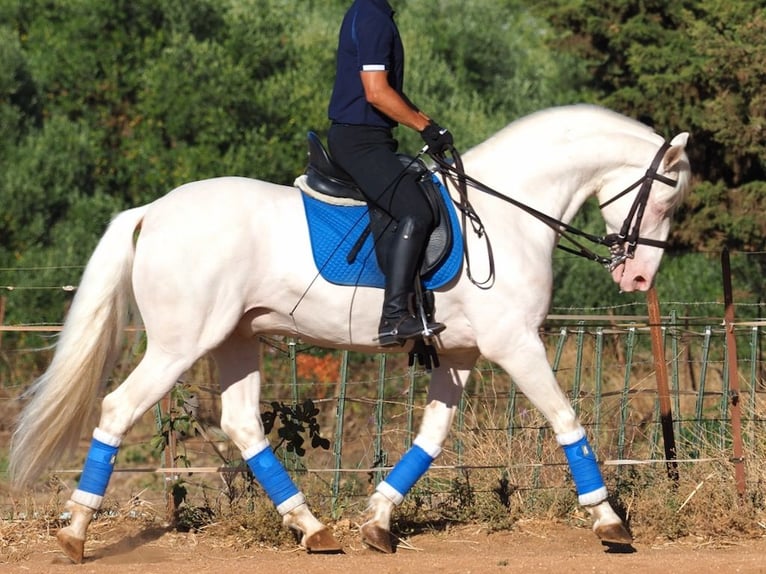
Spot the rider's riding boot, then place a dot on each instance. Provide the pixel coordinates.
(398, 322)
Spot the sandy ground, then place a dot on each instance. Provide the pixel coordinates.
(530, 548)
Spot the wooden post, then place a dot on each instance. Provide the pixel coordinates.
(663, 392)
(731, 350)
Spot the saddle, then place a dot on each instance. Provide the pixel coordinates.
(326, 177)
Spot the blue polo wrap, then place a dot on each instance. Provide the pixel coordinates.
(409, 469)
(582, 463)
(98, 468)
(272, 476)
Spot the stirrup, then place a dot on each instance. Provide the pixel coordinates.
(392, 337)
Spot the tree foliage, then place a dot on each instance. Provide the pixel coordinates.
(693, 65)
(106, 105)
(109, 105)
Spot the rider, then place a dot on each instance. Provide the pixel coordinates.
(367, 102)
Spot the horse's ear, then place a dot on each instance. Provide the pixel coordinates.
(676, 151)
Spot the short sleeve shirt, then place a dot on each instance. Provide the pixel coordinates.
(368, 41)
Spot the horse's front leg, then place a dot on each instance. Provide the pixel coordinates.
(238, 361)
(443, 397)
(529, 368)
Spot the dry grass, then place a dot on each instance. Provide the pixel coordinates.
(487, 474)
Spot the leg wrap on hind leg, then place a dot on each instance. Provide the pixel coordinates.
(408, 470)
(272, 476)
(97, 470)
(582, 463)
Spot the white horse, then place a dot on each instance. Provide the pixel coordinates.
(216, 263)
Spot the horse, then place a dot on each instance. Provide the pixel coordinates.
(214, 264)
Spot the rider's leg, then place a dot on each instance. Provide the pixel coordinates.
(397, 321)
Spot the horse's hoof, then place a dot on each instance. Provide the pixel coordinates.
(322, 541)
(376, 537)
(614, 533)
(73, 547)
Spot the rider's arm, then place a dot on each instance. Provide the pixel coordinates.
(385, 99)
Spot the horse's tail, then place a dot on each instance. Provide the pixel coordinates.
(62, 399)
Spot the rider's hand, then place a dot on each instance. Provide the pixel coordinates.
(437, 138)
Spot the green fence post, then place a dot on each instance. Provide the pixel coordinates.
(625, 392)
(753, 379)
(597, 385)
(655, 442)
(511, 410)
(291, 459)
(541, 431)
(460, 428)
(699, 411)
(340, 409)
(578, 367)
(380, 456)
(410, 410)
(675, 384)
(559, 349)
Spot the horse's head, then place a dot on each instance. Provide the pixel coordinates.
(638, 214)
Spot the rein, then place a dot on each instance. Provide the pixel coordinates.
(621, 245)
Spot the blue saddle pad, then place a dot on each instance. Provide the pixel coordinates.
(335, 229)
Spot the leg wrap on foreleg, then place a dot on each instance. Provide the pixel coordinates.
(272, 476)
(97, 470)
(408, 470)
(582, 463)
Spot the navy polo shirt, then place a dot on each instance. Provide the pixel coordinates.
(368, 40)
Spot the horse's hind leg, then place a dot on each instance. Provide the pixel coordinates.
(238, 360)
(148, 383)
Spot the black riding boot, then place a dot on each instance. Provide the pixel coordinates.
(398, 322)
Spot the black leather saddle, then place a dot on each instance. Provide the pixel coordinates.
(324, 176)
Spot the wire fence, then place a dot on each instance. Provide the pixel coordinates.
(368, 407)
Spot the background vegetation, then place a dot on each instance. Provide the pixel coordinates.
(105, 105)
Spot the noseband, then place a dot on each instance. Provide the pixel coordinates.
(622, 245)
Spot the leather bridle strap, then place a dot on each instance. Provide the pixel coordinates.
(615, 241)
(629, 234)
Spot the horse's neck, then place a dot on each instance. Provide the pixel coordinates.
(554, 160)
(548, 184)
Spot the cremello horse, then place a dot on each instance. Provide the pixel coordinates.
(216, 263)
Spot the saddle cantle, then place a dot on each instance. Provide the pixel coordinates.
(326, 177)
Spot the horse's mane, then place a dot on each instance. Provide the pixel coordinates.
(574, 122)
(564, 127)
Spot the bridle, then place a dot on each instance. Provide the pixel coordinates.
(621, 245)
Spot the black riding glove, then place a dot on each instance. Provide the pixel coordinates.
(437, 138)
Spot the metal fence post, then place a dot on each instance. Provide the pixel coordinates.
(625, 393)
(340, 410)
(597, 384)
(382, 458)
